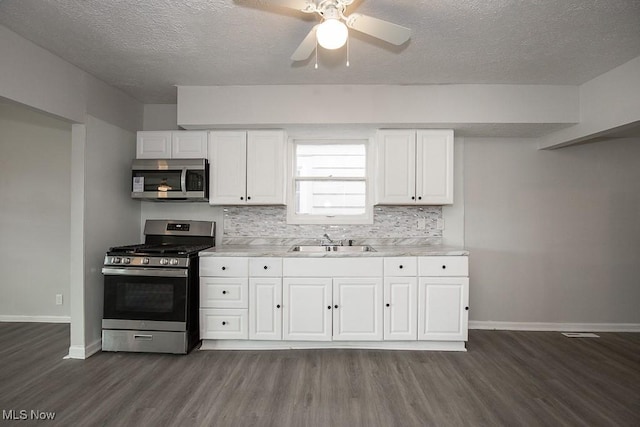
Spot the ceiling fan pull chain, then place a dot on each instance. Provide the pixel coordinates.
(347, 51)
(316, 54)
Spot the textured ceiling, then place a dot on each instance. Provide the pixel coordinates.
(146, 48)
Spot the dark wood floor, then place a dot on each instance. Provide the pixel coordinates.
(505, 379)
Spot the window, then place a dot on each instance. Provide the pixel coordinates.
(329, 182)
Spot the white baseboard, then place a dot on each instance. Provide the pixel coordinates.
(80, 352)
(40, 319)
(554, 327)
(304, 345)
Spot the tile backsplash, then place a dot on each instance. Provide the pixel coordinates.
(242, 224)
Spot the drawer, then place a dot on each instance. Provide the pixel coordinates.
(231, 324)
(332, 267)
(220, 292)
(224, 266)
(400, 266)
(265, 267)
(443, 266)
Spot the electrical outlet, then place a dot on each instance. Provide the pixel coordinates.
(58, 299)
(422, 223)
(440, 224)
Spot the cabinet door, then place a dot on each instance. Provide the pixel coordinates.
(443, 308)
(153, 145)
(401, 308)
(434, 167)
(228, 160)
(396, 167)
(189, 145)
(265, 308)
(306, 309)
(266, 162)
(357, 309)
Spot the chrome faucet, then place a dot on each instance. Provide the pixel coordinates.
(327, 241)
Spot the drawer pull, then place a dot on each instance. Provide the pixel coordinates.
(388, 305)
(224, 292)
(266, 267)
(444, 266)
(224, 268)
(335, 306)
(329, 307)
(224, 323)
(278, 306)
(466, 308)
(143, 337)
(401, 266)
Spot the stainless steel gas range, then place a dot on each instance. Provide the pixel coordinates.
(151, 289)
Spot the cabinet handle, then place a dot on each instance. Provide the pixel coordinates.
(248, 197)
(278, 306)
(224, 292)
(266, 267)
(466, 308)
(413, 197)
(419, 197)
(329, 307)
(224, 323)
(401, 266)
(224, 268)
(444, 267)
(241, 198)
(388, 305)
(335, 306)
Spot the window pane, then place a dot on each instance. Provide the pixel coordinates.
(330, 197)
(331, 160)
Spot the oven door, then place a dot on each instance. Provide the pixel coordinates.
(145, 298)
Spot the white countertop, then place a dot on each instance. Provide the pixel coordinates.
(284, 251)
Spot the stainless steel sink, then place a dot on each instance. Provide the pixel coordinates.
(332, 248)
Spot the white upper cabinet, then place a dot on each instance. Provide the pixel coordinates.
(247, 167)
(171, 145)
(414, 167)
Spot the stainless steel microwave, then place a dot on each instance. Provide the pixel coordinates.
(170, 180)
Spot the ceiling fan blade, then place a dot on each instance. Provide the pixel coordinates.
(306, 47)
(302, 5)
(378, 28)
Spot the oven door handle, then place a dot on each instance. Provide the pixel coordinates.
(154, 272)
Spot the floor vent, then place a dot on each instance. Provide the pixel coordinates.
(580, 335)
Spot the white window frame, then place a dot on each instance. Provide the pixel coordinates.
(294, 218)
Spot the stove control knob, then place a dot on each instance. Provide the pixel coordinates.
(116, 260)
(145, 260)
(126, 260)
(164, 261)
(173, 261)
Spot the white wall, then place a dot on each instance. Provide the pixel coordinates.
(35, 163)
(554, 235)
(102, 162)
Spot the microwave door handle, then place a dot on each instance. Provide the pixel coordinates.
(183, 181)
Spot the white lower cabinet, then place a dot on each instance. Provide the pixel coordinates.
(223, 323)
(401, 308)
(377, 300)
(307, 311)
(357, 309)
(443, 304)
(265, 308)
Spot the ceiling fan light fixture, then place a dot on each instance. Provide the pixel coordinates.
(332, 33)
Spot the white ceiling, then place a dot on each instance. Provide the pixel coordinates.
(146, 48)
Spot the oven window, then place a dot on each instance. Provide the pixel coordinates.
(145, 298)
(142, 297)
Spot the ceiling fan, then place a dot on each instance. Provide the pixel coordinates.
(332, 32)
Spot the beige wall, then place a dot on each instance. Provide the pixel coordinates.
(35, 193)
(554, 235)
